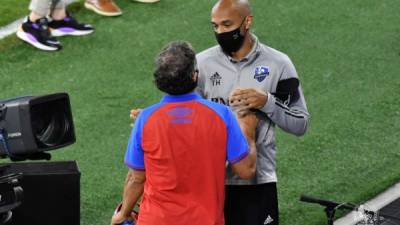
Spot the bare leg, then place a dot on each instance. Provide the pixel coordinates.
(35, 16)
(59, 14)
(39, 9)
(58, 9)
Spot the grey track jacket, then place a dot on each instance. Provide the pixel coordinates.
(268, 70)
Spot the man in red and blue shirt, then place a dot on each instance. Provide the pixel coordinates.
(178, 150)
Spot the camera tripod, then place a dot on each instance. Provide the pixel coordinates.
(11, 195)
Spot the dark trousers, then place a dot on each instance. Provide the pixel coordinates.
(251, 205)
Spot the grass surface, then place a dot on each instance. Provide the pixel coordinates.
(10, 10)
(347, 54)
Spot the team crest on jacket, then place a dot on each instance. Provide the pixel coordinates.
(261, 73)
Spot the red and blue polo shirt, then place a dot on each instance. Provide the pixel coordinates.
(183, 143)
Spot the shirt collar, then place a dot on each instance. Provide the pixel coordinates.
(180, 98)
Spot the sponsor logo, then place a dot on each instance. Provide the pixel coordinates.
(180, 115)
(268, 220)
(220, 101)
(216, 79)
(14, 135)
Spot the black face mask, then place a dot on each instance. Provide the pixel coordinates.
(231, 41)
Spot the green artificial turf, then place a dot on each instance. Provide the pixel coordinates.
(347, 54)
(10, 10)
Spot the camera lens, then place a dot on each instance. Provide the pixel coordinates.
(50, 124)
(52, 130)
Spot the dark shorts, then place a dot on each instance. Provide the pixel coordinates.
(251, 204)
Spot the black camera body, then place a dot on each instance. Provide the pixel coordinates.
(29, 127)
(32, 125)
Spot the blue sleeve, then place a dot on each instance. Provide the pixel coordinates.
(134, 157)
(237, 147)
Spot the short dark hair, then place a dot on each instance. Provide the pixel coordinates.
(174, 70)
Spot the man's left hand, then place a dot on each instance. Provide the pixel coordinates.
(248, 98)
(135, 113)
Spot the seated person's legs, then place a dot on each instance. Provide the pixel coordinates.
(62, 23)
(103, 7)
(48, 19)
(35, 31)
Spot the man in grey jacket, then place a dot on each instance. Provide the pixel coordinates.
(252, 78)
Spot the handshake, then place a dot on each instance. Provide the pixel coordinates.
(242, 102)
